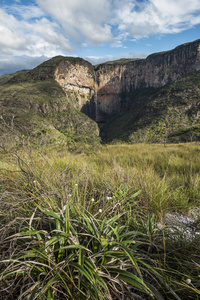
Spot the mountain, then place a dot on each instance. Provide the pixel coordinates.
(119, 81)
(133, 100)
(36, 108)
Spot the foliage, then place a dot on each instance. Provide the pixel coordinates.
(40, 112)
(72, 220)
(78, 257)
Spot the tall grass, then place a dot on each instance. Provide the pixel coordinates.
(168, 177)
(85, 225)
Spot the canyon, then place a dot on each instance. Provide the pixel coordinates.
(67, 99)
(108, 89)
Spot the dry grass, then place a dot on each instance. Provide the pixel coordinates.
(139, 183)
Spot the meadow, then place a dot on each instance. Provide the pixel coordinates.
(84, 225)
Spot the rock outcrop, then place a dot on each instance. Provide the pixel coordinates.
(77, 79)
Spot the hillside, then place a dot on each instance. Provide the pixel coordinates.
(119, 82)
(39, 110)
(85, 221)
(167, 114)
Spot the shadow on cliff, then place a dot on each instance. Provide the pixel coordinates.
(108, 108)
(106, 105)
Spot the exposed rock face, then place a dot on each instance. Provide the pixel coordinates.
(108, 89)
(77, 78)
(117, 81)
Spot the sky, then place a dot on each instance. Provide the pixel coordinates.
(96, 30)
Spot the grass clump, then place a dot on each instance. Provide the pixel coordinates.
(84, 225)
(76, 256)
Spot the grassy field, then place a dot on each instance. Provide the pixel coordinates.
(84, 225)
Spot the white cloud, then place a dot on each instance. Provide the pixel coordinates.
(95, 60)
(142, 19)
(51, 27)
(86, 19)
(91, 22)
(36, 38)
(138, 55)
(11, 64)
(118, 44)
(49, 31)
(11, 39)
(118, 41)
(101, 59)
(25, 12)
(11, 33)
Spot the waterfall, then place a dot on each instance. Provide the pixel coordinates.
(95, 97)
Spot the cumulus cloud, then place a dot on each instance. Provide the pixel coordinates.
(49, 31)
(142, 19)
(11, 33)
(86, 19)
(36, 38)
(57, 22)
(46, 28)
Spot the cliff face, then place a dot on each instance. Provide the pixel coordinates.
(35, 100)
(118, 81)
(77, 79)
(108, 89)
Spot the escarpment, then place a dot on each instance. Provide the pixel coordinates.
(136, 99)
(108, 89)
(77, 78)
(118, 81)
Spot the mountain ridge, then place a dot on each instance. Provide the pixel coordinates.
(71, 85)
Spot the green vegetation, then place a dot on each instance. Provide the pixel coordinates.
(121, 61)
(168, 115)
(41, 112)
(84, 225)
(45, 70)
(84, 221)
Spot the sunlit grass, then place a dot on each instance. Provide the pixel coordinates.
(134, 184)
(169, 176)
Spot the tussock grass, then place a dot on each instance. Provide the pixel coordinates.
(169, 176)
(118, 194)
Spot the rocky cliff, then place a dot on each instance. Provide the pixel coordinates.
(139, 93)
(77, 78)
(118, 81)
(109, 89)
(106, 90)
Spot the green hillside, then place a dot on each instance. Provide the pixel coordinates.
(167, 114)
(40, 110)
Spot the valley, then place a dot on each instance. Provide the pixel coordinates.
(100, 179)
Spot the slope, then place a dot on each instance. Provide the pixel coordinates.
(39, 109)
(167, 114)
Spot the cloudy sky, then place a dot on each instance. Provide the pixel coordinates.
(97, 30)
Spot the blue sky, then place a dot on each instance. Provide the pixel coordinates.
(97, 30)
